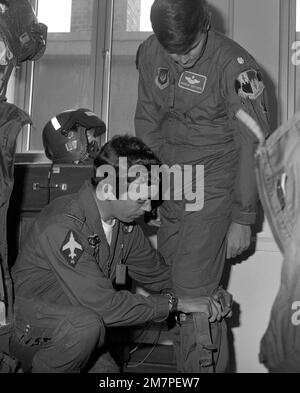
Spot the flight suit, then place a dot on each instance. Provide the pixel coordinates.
(187, 116)
(12, 120)
(278, 165)
(67, 269)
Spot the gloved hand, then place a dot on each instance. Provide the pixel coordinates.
(225, 299)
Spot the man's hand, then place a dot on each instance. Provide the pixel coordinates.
(153, 219)
(226, 301)
(238, 239)
(203, 304)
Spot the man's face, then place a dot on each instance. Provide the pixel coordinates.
(93, 142)
(5, 53)
(135, 202)
(91, 135)
(129, 210)
(5, 57)
(190, 58)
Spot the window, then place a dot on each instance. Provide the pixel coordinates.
(57, 22)
(64, 78)
(298, 16)
(89, 62)
(130, 27)
(289, 59)
(297, 64)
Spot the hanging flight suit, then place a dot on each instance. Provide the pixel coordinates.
(22, 39)
(12, 119)
(278, 176)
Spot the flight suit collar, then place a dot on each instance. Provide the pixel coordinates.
(89, 205)
(175, 70)
(93, 218)
(93, 221)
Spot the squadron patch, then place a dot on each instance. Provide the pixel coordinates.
(94, 240)
(192, 82)
(249, 84)
(127, 228)
(162, 79)
(71, 249)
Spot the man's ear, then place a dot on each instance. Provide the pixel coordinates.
(104, 192)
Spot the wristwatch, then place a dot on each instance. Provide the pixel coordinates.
(173, 301)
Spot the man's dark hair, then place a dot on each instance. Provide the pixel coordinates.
(176, 23)
(124, 146)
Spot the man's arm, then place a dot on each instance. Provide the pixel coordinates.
(244, 88)
(146, 265)
(147, 113)
(86, 285)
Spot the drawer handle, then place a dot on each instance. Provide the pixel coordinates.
(60, 187)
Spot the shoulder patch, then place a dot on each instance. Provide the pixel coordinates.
(162, 79)
(249, 84)
(71, 249)
(127, 228)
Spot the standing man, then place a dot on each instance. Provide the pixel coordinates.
(70, 277)
(192, 81)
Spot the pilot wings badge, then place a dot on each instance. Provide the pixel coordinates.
(192, 82)
(71, 249)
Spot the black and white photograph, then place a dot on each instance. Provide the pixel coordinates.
(149, 190)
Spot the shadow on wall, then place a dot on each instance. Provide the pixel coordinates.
(272, 100)
(217, 19)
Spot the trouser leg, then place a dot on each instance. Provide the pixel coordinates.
(198, 262)
(200, 348)
(48, 338)
(105, 364)
(195, 247)
(220, 339)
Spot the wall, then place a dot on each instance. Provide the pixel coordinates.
(254, 282)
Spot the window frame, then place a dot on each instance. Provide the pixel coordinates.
(102, 54)
(100, 77)
(287, 77)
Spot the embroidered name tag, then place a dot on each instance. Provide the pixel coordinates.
(192, 82)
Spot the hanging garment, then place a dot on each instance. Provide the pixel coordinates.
(278, 178)
(12, 119)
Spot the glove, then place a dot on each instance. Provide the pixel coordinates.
(225, 299)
